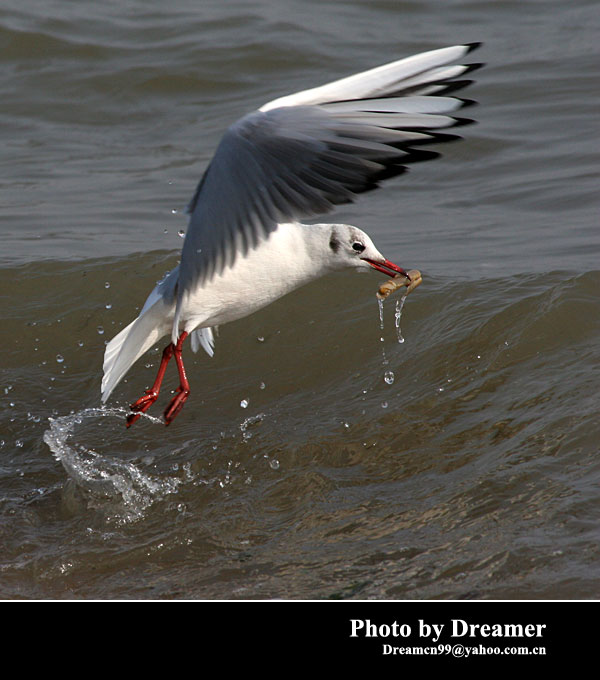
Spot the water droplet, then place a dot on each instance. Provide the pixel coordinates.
(174, 211)
(244, 427)
(260, 338)
(262, 386)
(166, 231)
(60, 358)
(181, 233)
(389, 377)
(244, 403)
(80, 343)
(274, 464)
(100, 330)
(384, 404)
(107, 284)
(108, 306)
(397, 315)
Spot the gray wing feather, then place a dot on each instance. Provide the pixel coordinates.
(282, 165)
(296, 162)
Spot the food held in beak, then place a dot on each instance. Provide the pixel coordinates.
(410, 281)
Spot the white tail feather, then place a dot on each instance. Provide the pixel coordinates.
(203, 337)
(129, 345)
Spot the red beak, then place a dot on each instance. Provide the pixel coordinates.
(387, 267)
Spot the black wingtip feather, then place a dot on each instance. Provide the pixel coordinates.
(461, 122)
(420, 155)
(436, 138)
(473, 46)
(474, 67)
(466, 103)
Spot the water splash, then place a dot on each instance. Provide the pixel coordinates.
(248, 423)
(122, 488)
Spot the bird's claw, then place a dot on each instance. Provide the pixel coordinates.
(141, 406)
(176, 405)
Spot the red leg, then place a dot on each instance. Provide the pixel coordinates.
(183, 390)
(151, 395)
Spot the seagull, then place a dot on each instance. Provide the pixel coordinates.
(295, 158)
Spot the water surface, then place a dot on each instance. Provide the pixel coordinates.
(297, 470)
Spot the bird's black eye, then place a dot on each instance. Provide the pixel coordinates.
(358, 246)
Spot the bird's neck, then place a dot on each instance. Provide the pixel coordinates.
(308, 246)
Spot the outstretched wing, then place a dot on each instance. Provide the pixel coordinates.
(301, 155)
